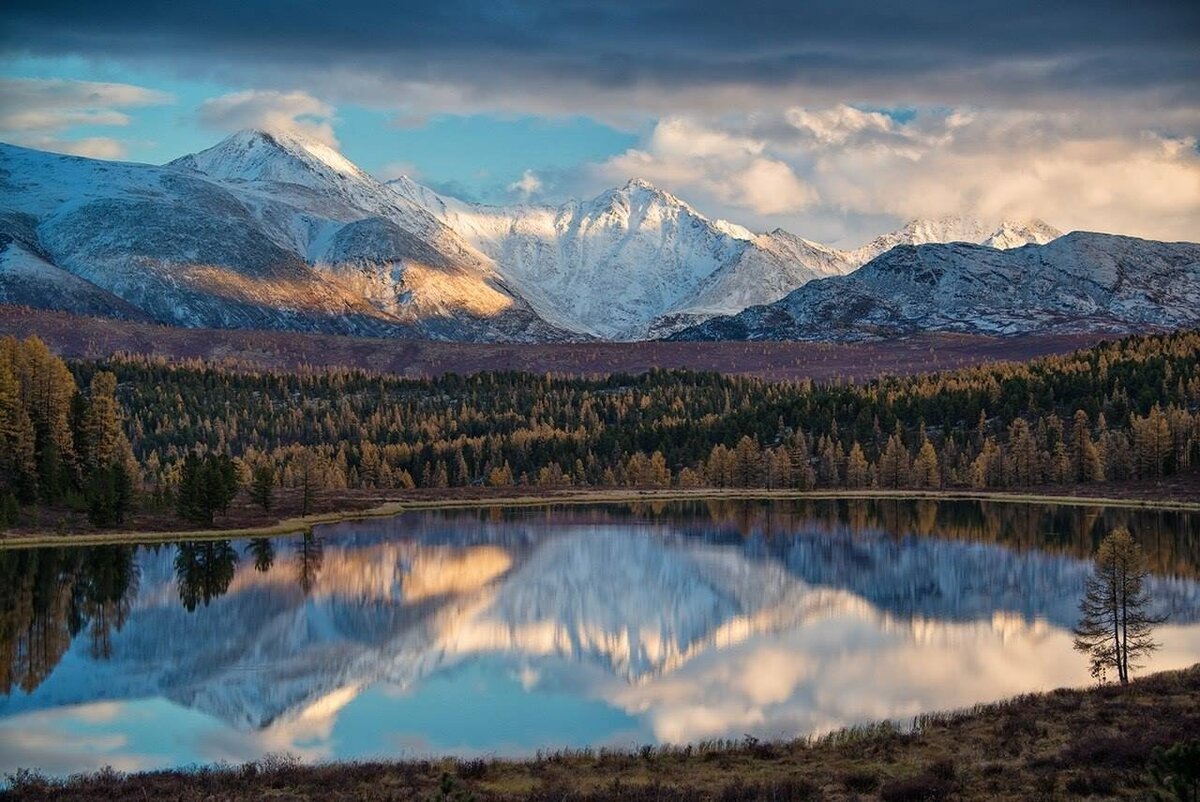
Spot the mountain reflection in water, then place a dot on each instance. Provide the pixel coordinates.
(509, 630)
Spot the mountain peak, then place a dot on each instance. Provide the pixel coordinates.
(640, 183)
(271, 155)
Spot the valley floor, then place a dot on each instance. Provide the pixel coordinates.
(73, 336)
(1097, 743)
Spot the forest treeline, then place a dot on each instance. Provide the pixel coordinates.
(59, 443)
(1120, 410)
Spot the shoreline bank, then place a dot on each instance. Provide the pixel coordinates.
(399, 505)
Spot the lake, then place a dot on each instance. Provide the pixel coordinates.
(504, 631)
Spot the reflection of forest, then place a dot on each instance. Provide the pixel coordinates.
(48, 597)
(1171, 539)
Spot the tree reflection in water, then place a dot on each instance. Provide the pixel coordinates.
(203, 570)
(50, 596)
(263, 550)
(310, 553)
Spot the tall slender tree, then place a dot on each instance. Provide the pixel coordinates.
(1115, 627)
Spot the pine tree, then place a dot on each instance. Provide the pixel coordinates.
(1086, 465)
(1115, 628)
(103, 438)
(262, 486)
(18, 461)
(926, 471)
(47, 390)
(893, 468)
(830, 464)
(747, 471)
(206, 486)
(858, 470)
(1022, 464)
(1152, 445)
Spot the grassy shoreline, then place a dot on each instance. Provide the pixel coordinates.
(1065, 743)
(390, 507)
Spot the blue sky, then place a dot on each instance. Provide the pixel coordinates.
(475, 153)
(835, 120)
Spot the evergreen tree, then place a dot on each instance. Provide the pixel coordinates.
(893, 468)
(858, 470)
(262, 486)
(1115, 628)
(206, 486)
(1086, 465)
(926, 471)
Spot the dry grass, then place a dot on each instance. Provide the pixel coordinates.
(1062, 744)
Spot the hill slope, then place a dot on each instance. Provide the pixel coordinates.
(1081, 282)
(245, 235)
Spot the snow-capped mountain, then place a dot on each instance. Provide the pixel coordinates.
(277, 231)
(616, 265)
(261, 231)
(637, 261)
(1081, 282)
(957, 228)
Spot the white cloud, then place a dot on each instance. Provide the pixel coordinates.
(297, 112)
(691, 158)
(37, 112)
(526, 185)
(843, 173)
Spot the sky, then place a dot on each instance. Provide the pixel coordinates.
(834, 120)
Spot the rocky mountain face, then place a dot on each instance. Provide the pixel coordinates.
(625, 263)
(638, 262)
(1081, 282)
(958, 228)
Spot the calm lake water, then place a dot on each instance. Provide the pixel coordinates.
(506, 631)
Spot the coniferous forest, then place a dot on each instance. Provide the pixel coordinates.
(104, 436)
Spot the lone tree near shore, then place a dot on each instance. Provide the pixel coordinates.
(1115, 627)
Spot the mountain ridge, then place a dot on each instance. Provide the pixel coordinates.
(274, 230)
(249, 247)
(1080, 282)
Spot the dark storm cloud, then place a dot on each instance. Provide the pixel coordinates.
(855, 49)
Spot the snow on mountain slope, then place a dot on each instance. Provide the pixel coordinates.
(1013, 234)
(957, 228)
(406, 262)
(235, 249)
(180, 249)
(27, 279)
(1080, 282)
(637, 261)
(275, 231)
(633, 261)
(606, 266)
(776, 264)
